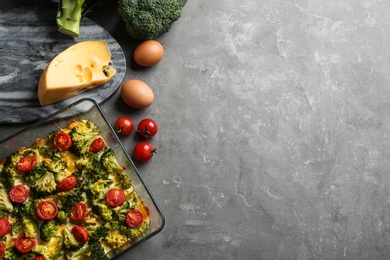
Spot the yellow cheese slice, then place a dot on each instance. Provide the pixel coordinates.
(84, 65)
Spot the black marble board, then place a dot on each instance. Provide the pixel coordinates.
(29, 40)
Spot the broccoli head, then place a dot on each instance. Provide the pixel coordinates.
(121, 211)
(68, 199)
(145, 20)
(83, 133)
(93, 251)
(115, 239)
(70, 243)
(11, 253)
(104, 211)
(30, 227)
(26, 209)
(41, 181)
(109, 162)
(99, 234)
(5, 202)
(16, 229)
(48, 230)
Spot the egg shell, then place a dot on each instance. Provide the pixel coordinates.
(137, 94)
(148, 53)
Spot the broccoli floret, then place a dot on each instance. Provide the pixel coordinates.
(17, 229)
(68, 199)
(83, 133)
(8, 173)
(93, 251)
(97, 191)
(41, 181)
(40, 250)
(104, 211)
(110, 163)
(48, 230)
(121, 211)
(70, 243)
(30, 227)
(11, 253)
(115, 239)
(91, 166)
(145, 20)
(62, 217)
(99, 234)
(5, 202)
(26, 209)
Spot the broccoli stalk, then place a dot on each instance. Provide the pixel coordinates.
(70, 13)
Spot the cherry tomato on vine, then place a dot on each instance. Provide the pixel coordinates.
(67, 184)
(25, 244)
(143, 151)
(80, 234)
(115, 197)
(18, 194)
(134, 218)
(79, 212)
(47, 209)
(62, 141)
(147, 127)
(27, 163)
(5, 226)
(124, 125)
(97, 145)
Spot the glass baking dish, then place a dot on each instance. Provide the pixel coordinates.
(88, 109)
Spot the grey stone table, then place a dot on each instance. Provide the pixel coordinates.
(275, 139)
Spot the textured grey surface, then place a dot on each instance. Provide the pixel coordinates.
(274, 130)
(29, 40)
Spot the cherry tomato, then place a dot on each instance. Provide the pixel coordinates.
(134, 218)
(47, 210)
(79, 212)
(143, 151)
(18, 194)
(27, 163)
(5, 226)
(80, 234)
(2, 250)
(67, 184)
(97, 145)
(25, 244)
(39, 257)
(147, 128)
(124, 125)
(62, 141)
(115, 197)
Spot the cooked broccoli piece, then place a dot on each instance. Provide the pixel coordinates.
(121, 211)
(30, 227)
(93, 251)
(25, 209)
(5, 202)
(17, 229)
(91, 166)
(83, 133)
(97, 191)
(109, 162)
(8, 173)
(145, 20)
(115, 239)
(99, 234)
(70, 243)
(40, 250)
(48, 230)
(104, 211)
(68, 199)
(11, 253)
(62, 217)
(41, 181)
(70, 13)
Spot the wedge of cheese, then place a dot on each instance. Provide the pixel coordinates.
(84, 65)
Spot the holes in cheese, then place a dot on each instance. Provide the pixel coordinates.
(82, 66)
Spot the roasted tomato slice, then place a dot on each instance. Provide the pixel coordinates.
(18, 194)
(47, 210)
(39, 257)
(97, 145)
(5, 226)
(115, 197)
(79, 212)
(2, 250)
(134, 218)
(27, 163)
(80, 234)
(67, 184)
(25, 244)
(62, 141)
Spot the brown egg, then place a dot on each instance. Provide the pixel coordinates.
(148, 53)
(137, 93)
